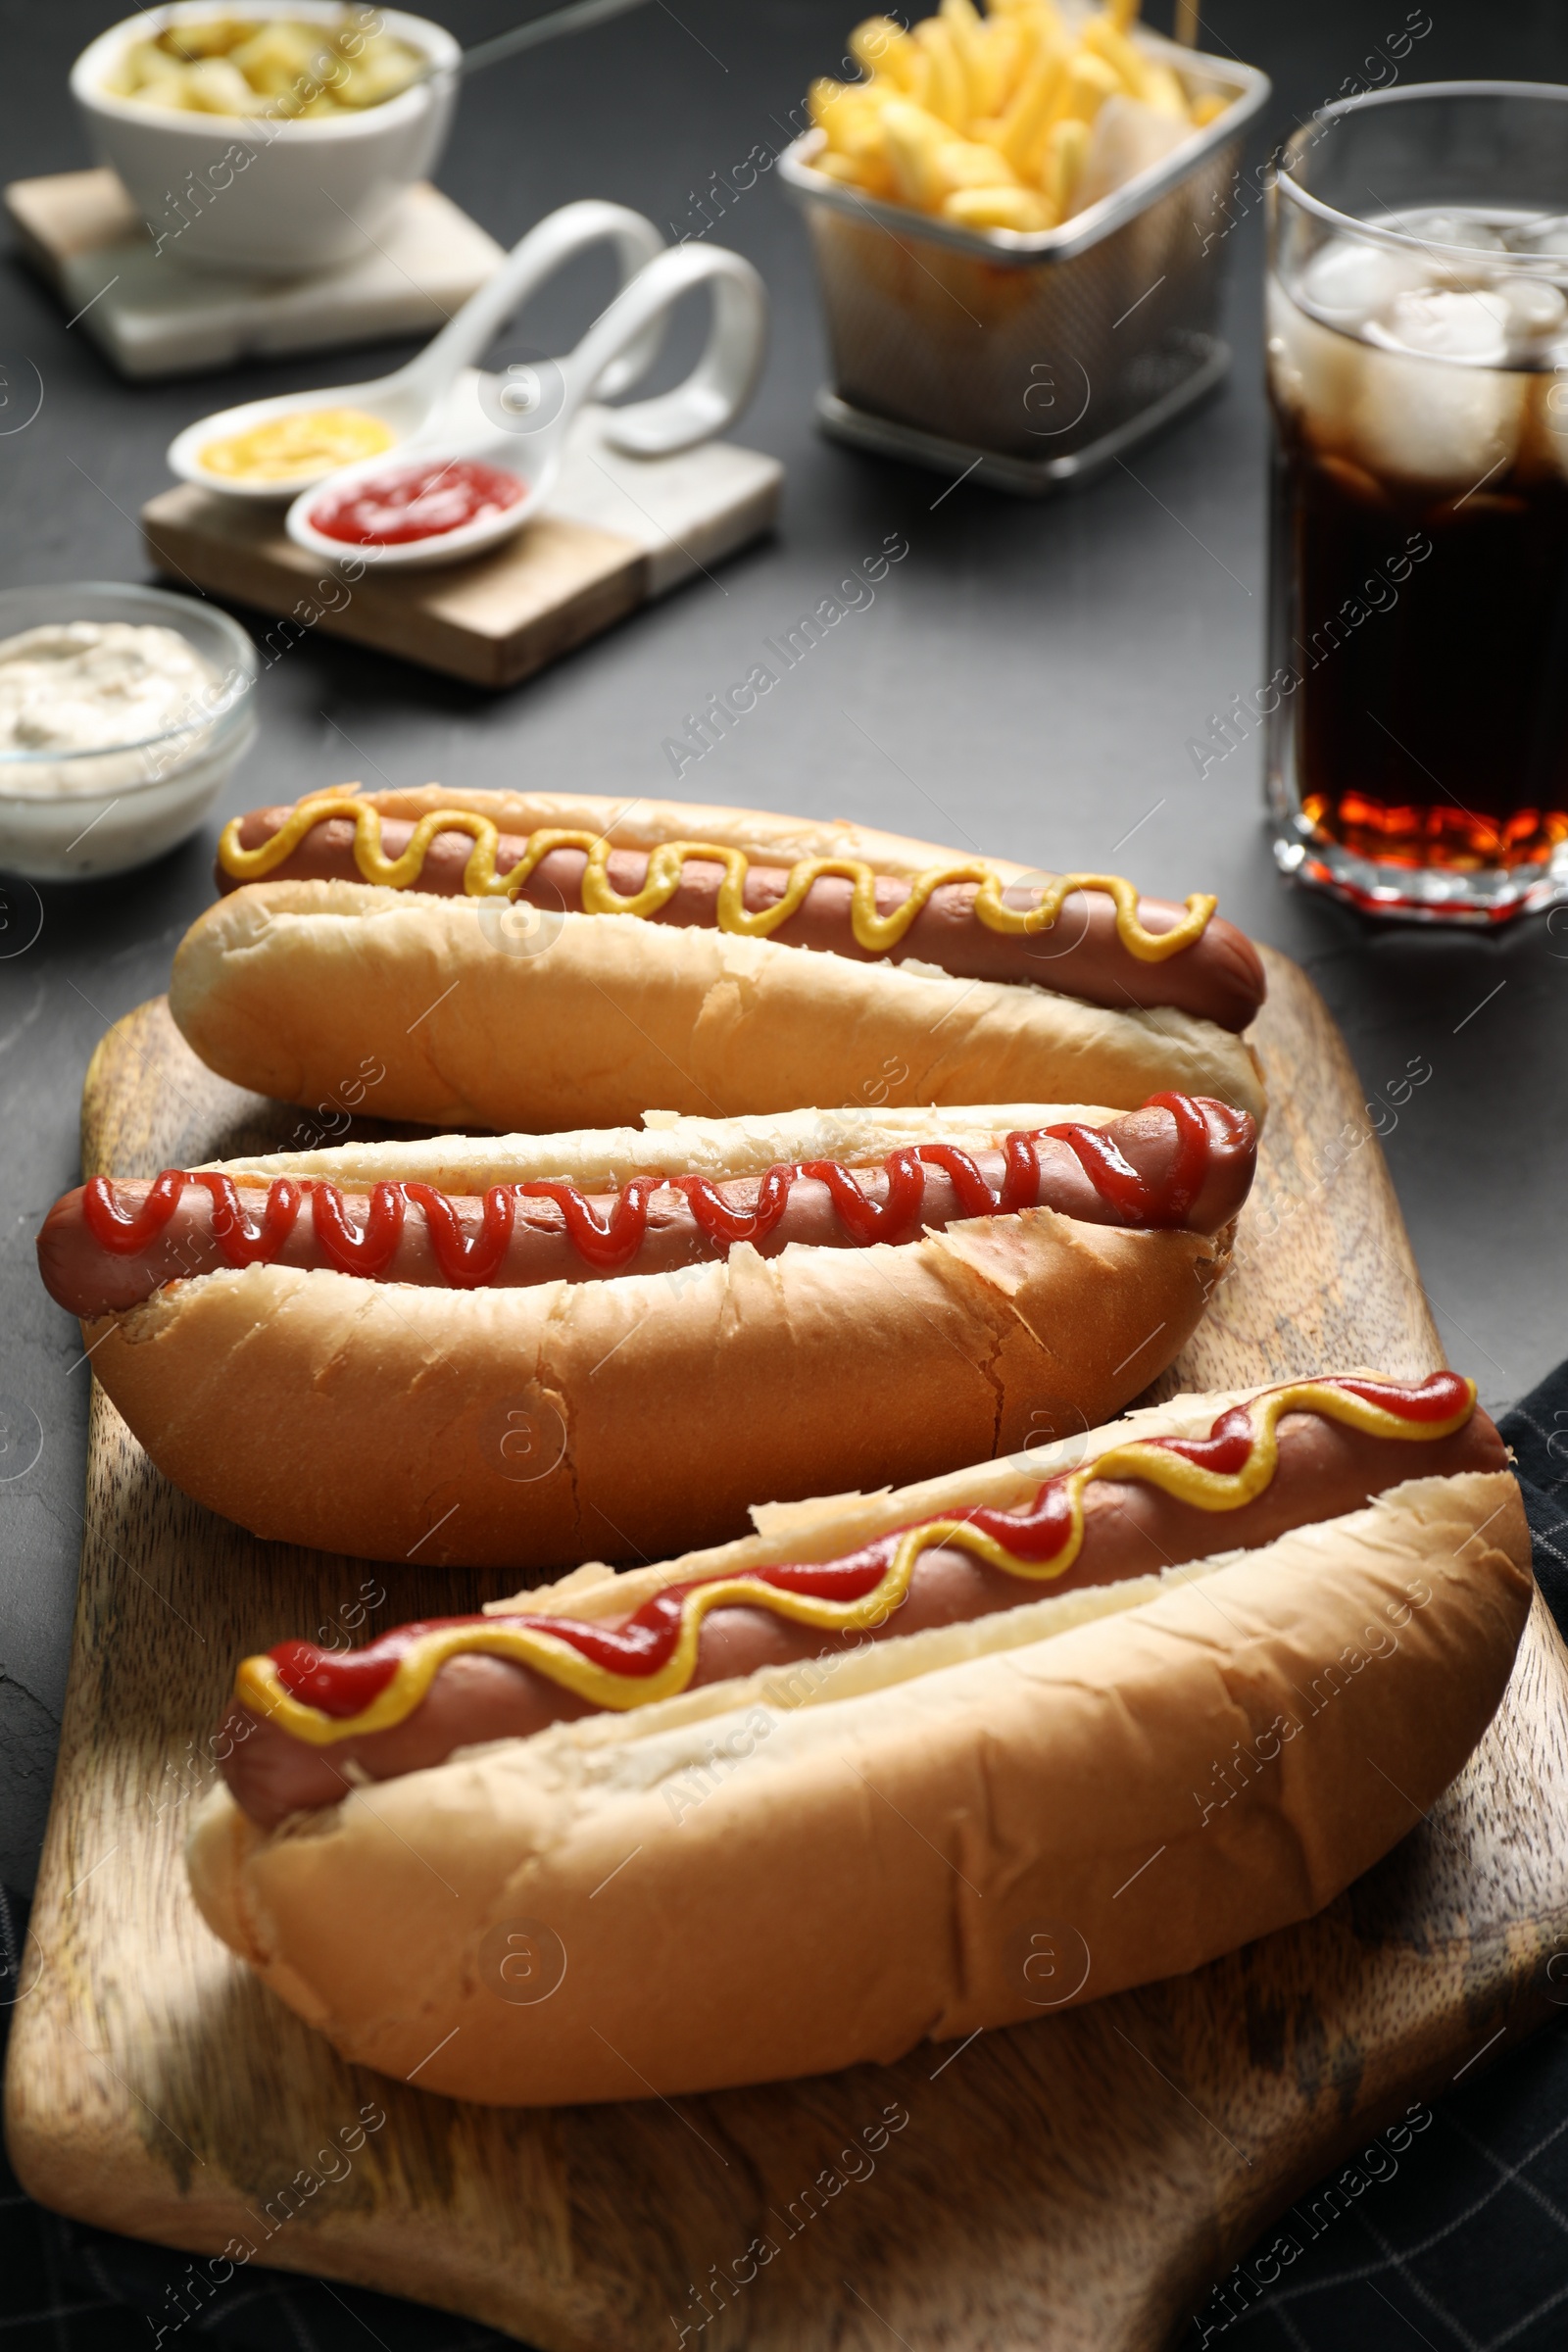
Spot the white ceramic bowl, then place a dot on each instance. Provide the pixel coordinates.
(63, 817)
(270, 196)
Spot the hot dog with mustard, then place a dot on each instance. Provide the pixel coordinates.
(536, 960)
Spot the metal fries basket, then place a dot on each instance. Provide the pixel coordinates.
(1034, 360)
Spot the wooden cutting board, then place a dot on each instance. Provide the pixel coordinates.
(1074, 2183)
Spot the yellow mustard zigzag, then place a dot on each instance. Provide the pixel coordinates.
(874, 932)
(259, 1686)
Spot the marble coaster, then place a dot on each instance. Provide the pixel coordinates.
(156, 318)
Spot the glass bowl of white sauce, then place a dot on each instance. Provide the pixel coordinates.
(124, 711)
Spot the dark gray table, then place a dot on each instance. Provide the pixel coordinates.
(1030, 678)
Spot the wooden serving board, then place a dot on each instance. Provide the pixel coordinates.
(618, 532)
(153, 316)
(1076, 2182)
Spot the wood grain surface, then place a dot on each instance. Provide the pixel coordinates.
(67, 213)
(1075, 2182)
(492, 620)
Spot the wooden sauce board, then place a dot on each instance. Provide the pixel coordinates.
(1076, 2182)
(618, 532)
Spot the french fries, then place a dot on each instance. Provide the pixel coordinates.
(989, 121)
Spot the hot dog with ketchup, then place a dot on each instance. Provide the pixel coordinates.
(526, 960)
(849, 1765)
(107, 1246)
(335, 1348)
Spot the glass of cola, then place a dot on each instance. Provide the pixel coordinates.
(1418, 624)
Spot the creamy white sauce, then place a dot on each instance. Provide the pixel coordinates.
(84, 686)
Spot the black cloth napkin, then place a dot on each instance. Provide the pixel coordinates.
(1449, 2229)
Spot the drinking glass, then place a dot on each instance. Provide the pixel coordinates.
(1417, 707)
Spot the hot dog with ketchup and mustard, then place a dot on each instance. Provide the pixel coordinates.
(801, 1801)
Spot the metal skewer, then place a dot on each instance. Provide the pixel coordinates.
(575, 17)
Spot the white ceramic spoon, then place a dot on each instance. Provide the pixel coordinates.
(545, 402)
(415, 397)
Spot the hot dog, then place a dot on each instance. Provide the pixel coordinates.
(849, 1766)
(334, 1349)
(529, 960)
(1220, 977)
(103, 1249)
(1131, 1528)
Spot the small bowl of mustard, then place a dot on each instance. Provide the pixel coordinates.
(124, 712)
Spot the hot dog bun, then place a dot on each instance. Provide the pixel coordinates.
(663, 1142)
(810, 1869)
(637, 1414)
(286, 986)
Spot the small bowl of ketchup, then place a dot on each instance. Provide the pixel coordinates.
(425, 510)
